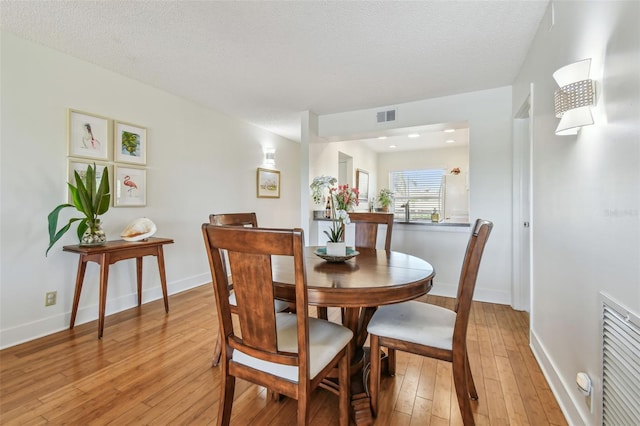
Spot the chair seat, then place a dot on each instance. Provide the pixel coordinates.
(326, 339)
(415, 322)
(279, 305)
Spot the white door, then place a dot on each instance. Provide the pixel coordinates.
(521, 280)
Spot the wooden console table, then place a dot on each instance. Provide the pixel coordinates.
(110, 253)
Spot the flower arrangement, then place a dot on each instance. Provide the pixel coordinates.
(455, 171)
(343, 199)
(318, 186)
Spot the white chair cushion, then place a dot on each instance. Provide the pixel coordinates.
(326, 339)
(279, 305)
(415, 322)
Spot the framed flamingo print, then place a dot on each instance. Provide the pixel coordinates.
(130, 143)
(88, 135)
(130, 186)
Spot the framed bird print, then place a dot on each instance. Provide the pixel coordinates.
(130, 144)
(88, 135)
(129, 186)
(80, 166)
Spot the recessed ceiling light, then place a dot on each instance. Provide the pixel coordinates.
(450, 141)
(449, 130)
(382, 137)
(393, 146)
(414, 135)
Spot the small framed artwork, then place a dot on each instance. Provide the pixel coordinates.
(88, 135)
(130, 144)
(268, 183)
(130, 186)
(80, 166)
(362, 183)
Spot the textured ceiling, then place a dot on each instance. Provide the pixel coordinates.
(265, 62)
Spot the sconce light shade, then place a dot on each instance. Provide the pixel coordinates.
(574, 98)
(270, 157)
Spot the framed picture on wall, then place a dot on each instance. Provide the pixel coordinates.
(80, 166)
(129, 186)
(88, 135)
(362, 183)
(268, 183)
(130, 143)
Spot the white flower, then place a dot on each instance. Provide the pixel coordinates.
(343, 216)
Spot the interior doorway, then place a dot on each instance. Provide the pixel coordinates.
(522, 226)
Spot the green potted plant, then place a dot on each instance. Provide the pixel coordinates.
(90, 199)
(385, 198)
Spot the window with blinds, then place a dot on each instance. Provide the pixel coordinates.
(423, 190)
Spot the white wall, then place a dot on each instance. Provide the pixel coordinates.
(586, 192)
(199, 162)
(488, 114)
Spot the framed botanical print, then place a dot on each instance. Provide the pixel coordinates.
(130, 144)
(130, 186)
(88, 135)
(268, 183)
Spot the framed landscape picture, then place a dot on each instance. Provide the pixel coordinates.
(268, 183)
(130, 186)
(88, 135)
(130, 144)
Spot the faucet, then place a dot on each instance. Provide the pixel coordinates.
(406, 211)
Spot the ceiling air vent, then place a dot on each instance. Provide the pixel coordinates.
(384, 116)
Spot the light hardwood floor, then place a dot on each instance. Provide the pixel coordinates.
(151, 368)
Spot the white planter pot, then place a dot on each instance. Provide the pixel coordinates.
(337, 249)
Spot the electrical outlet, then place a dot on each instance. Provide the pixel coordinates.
(50, 298)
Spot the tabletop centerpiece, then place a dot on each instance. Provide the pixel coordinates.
(342, 199)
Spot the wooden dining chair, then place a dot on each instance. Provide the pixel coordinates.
(433, 331)
(289, 353)
(367, 225)
(245, 220)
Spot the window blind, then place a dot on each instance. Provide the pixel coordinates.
(423, 190)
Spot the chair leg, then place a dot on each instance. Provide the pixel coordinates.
(471, 386)
(303, 409)
(374, 374)
(227, 389)
(217, 351)
(391, 361)
(462, 391)
(344, 377)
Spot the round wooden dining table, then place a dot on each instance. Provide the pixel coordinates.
(359, 285)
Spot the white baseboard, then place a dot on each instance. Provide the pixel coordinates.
(480, 294)
(557, 385)
(45, 326)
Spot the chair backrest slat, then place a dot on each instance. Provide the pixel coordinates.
(367, 228)
(469, 274)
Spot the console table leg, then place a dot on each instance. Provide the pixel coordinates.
(82, 267)
(139, 276)
(104, 277)
(163, 278)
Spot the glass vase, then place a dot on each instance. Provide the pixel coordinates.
(94, 235)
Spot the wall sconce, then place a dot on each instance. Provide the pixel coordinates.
(270, 157)
(575, 97)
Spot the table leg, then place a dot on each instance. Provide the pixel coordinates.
(139, 276)
(104, 277)
(82, 267)
(360, 400)
(163, 278)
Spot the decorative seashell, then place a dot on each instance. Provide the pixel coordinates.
(138, 230)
